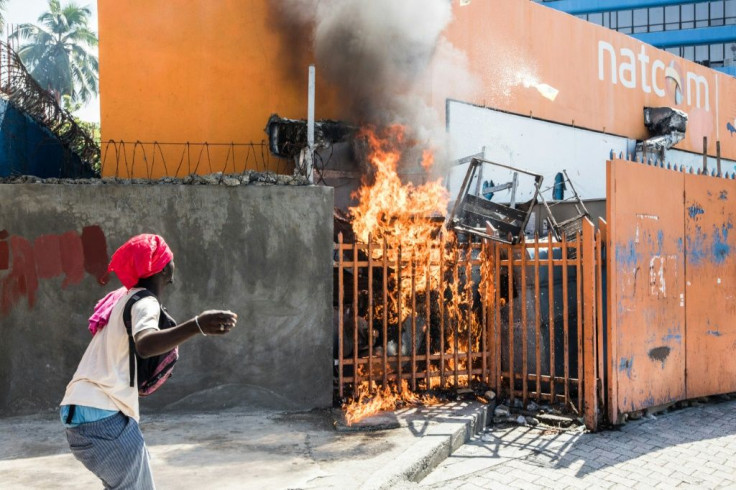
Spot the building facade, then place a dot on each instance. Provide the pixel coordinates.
(697, 30)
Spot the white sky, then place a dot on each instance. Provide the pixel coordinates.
(28, 11)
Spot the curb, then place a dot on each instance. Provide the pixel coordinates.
(441, 439)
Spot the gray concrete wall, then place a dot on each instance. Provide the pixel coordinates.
(264, 252)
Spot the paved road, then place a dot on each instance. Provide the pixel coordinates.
(688, 448)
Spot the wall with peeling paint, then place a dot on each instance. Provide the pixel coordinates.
(263, 251)
(672, 286)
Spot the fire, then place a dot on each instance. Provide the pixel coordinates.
(398, 219)
(371, 400)
(389, 209)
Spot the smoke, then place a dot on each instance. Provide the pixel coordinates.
(387, 59)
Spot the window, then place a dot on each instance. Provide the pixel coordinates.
(730, 11)
(689, 53)
(716, 53)
(701, 12)
(716, 11)
(641, 19)
(624, 19)
(687, 12)
(672, 17)
(596, 19)
(701, 53)
(656, 16)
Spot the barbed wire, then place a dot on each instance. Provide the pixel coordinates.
(129, 159)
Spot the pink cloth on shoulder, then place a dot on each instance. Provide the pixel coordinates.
(103, 309)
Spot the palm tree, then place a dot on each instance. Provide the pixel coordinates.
(58, 52)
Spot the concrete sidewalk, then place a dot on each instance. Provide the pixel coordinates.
(239, 448)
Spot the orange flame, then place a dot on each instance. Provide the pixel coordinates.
(371, 401)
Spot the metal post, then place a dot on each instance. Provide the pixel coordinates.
(310, 126)
(705, 154)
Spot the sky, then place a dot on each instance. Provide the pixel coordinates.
(28, 11)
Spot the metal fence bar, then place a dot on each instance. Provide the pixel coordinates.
(589, 327)
(398, 310)
(370, 310)
(441, 290)
(340, 324)
(355, 313)
(413, 267)
(565, 318)
(601, 238)
(537, 337)
(485, 281)
(384, 254)
(428, 322)
(456, 334)
(551, 322)
(469, 310)
(524, 340)
(510, 272)
(497, 317)
(579, 309)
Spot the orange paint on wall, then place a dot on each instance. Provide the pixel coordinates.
(196, 70)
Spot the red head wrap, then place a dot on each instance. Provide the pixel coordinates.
(141, 256)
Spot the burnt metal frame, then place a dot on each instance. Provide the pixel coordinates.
(467, 199)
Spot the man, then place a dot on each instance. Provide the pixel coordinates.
(100, 407)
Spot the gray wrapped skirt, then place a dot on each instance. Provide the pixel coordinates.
(114, 450)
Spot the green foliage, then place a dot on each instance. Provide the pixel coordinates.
(59, 51)
(92, 129)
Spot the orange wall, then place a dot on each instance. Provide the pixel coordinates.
(194, 70)
(204, 70)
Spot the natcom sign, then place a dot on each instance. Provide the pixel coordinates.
(534, 61)
(640, 71)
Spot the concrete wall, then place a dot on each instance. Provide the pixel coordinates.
(263, 251)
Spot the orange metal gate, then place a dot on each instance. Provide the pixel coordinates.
(459, 333)
(710, 294)
(672, 286)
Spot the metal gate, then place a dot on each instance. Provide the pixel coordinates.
(520, 318)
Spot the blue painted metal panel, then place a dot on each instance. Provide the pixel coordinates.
(29, 148)
(689, 37)
(730, 70)
(577, 7)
